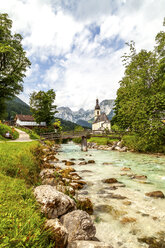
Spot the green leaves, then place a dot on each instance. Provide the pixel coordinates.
(42, 106)
(140, 102)
(13, 61)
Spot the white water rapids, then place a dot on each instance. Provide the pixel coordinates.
(146, 215)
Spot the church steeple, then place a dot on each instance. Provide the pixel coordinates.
(97, 104)
(97, 109)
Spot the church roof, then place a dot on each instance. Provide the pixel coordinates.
(102, 117)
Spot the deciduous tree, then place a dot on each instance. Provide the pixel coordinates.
(13, 60)
(42, 106)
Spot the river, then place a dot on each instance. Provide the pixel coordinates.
(123, 222)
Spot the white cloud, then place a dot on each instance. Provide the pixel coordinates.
(67, 54)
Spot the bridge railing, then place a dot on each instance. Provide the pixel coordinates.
(64, 135)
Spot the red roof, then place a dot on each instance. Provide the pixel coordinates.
(25, 117)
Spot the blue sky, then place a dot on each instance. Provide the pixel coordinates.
(75, 46)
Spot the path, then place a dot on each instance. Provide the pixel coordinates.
(23, 137)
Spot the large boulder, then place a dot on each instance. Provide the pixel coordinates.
(53, 203)
(79, 225)
(88, 244)
(58, 233)
(155, 194)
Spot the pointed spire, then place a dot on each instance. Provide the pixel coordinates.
(97, 104)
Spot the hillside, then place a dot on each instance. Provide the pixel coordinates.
(17, 106)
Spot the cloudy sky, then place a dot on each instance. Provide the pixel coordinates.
(75, 46)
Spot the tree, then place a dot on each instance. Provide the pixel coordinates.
(41, 105)
(13, 61)
(140, 99)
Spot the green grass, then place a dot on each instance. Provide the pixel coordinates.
(102, 140)
(21, 223)
(4, 129)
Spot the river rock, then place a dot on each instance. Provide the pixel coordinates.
(58, 233)
(107, 163)
(116, 196)
(88, 244)
(84, 203)
(46, 165)
(46, 173)
(68, 163)
(79, 225)
(72, 159)
(125, 169)
(50, 181)
(126, 220)
(82, 163)
(139, 177)
(110, 180)
(91, 162)
(155, 194)
(53, 203)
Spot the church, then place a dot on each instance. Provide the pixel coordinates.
(101, 122)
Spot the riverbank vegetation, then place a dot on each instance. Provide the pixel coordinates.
(21, 223)
(4, 129)
(140, 102)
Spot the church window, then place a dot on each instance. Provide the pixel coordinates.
(97, 112)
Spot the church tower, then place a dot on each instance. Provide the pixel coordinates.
(97, 109)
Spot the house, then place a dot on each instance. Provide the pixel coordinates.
(101, 122)
(27, 121)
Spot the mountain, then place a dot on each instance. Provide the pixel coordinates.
(85, 117)
(17, 106)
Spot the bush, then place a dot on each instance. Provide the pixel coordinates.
(143, 144)
(77, 140)
(4, 129)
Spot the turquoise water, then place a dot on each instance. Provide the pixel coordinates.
(148, 213)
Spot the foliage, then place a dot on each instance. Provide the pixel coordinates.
(21, 223)
(116, 128)
(4, 129)
(13, 61)
(16, 106)
(79, 129)
(140, 102)
(77, 140)
(41, 105)
(68, 125)
(102, 140)
(141, 144)
(57, 125)
(40, 130)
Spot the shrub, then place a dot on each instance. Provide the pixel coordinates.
(77, 140)
(4, 129)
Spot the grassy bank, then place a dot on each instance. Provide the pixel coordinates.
(4, 129)
(21, 223)
(102, 140)
(142, 144)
